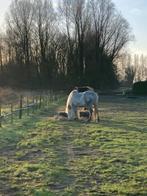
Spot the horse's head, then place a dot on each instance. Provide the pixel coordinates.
(70, 108)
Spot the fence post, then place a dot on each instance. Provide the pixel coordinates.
(20, 107)
(43, 101)
(50, 96)
(11, 113)
(36, 102)
(48, 100)
(0, 115)
(33, 104)
(40, 101)
(27, 106)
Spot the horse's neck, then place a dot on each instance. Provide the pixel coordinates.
(71, 96)
(76, 99)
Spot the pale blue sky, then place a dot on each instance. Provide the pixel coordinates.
(4, 5)
(135, 12)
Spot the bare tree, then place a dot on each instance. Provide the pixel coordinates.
(110, 32)
(79, 42)
(44, 35)
(76, 16)
(111, 29)
(130, 73)
(1, 54)
(19, 28)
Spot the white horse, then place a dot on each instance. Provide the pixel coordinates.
(88, 99)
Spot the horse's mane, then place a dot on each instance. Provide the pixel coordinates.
(83, 88)
(69, 99)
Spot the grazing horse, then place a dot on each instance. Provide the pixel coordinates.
(87, 99)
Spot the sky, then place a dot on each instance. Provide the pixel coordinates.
(4, 5)
(134, 11)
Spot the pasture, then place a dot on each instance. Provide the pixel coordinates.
(41, 156)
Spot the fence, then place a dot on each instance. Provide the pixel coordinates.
(26, 105)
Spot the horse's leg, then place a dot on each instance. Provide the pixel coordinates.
(98, 117)
(96, 113)
(75, 112)
(90, 113)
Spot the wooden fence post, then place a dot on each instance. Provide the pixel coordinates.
(37, 103)
(40, 101)
(11, 113)
(48, 100)
(0, 115)
(27, 106)
(20, 107)
(51, 96)
(43, 101)
(33, 104)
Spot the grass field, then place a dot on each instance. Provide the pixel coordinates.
(41, 156)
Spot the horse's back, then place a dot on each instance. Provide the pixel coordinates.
(88, 97)
(91, 96)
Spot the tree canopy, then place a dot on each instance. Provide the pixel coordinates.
(75, 42)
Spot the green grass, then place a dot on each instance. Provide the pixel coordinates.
(41, 156)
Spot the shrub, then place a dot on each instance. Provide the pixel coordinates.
(140, 88)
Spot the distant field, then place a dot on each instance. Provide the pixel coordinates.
(41, 156)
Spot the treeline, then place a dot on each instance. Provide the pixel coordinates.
(71, 42)
(132, 68)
